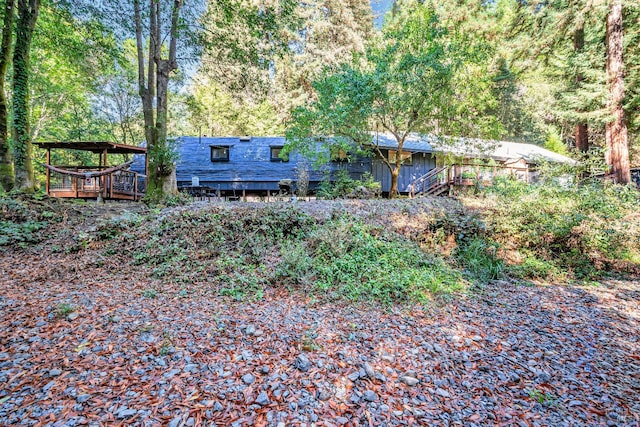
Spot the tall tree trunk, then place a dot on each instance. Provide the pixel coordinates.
(161, 173)
(393, 191)
(7, 179)
(22, 147)
(145, 85)
(395, 167)
(581, 130)
(616, 130)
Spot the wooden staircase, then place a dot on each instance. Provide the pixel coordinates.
(434, 183)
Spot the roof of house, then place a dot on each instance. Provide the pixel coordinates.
(472, 147)
(93, 146)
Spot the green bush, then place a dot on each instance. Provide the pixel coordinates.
(343, 186)
(479, 258)
(579, 229)
(345, 258)
(535, 268)
(21, 233)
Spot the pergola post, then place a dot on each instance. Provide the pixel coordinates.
(106, 177)
(48, 171)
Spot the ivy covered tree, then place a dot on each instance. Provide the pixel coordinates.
(22, 145)
(6, 162)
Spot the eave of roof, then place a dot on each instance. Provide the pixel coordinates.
(93, 146)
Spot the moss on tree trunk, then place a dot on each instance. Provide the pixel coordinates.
(7, 179)
(22, 147)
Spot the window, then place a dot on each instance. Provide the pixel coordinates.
(405, 157)
(275, 155)
(219, 154)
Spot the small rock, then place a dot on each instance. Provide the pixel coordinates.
(412, 374)
(218, 407)
(262, 399)
(410, 381)
(83, 398)
(192, 367)
(514, 377)
(191, 422)
(476, 338)
(251, 330)
(353, 376)
(543, 376)
(73, 316)
(370, 396)
(124, 412)
(177, 421)
(387, 358)
(442, 392)
(55, 372)
(323, 395)
(248, 379)
(264, 370)
(303, 363)
(371, 373)
(49, 385)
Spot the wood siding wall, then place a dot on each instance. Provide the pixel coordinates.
(421, 164)
(249, 167)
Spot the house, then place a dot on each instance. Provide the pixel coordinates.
(240, 165)
(435, 163)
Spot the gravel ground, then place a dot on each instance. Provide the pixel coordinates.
(96, 348)
(85, 344)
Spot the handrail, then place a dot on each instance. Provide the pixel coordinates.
(89, 174)
(429, 178)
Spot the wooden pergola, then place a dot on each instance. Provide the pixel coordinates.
(101, 181)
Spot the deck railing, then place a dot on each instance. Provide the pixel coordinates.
(122, 184)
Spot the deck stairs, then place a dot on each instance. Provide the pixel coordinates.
(436, 182)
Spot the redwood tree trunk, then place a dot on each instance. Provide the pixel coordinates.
(22, 147)
(581, 130)
(7, 179)
(616, 130)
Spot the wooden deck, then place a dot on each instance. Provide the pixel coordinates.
(120, 185)
(93, 182)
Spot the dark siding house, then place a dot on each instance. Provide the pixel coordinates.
(236, 164)
(232, 165)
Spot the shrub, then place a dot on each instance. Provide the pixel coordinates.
(345, 258)
(582, 229)
(346, 187)
(479, 257)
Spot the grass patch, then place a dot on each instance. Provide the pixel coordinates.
(346, 258)
(479, 259)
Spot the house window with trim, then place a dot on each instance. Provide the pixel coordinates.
(406, 157)
(219, 154)
(275, 155)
